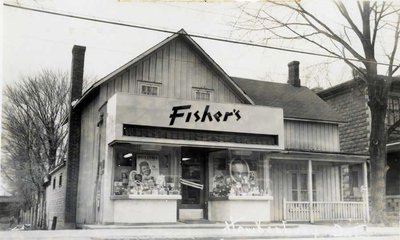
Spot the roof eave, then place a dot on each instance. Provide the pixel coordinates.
(340, 88)
(331, 121)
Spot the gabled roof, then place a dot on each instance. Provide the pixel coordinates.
(183, 34)
(297, 102)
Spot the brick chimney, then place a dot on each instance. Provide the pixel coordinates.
(74, 129)
(78, 60)
(294, 79)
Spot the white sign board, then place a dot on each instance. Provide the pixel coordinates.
(197, 115)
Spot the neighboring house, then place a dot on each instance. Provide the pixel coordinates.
(55, 197)
(350, 100)
(171, 137)
(8, 209)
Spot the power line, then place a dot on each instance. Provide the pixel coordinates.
(202, 36)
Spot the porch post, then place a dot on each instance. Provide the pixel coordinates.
(366, 195)
(310, 193)
(267, 180)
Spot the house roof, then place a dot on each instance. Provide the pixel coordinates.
(356, 82)
(340, 88)
(297, 102)
(183, 34)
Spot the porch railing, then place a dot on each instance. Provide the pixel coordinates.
(393, 203)
(324, 211)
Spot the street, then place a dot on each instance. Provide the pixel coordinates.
(217, 233)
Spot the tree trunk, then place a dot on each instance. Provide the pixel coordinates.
(44, 217)
(377, 148)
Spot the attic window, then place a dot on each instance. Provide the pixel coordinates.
(152, 89)
(202, 94)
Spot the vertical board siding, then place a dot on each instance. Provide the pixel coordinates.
(311, 136)
(87, 164)
(139, 71)
(125, 82)
(159, 66)
(326, 180)
(165, 75)
(103, 94)
(118, 84)
(110, 88)
(178, 69)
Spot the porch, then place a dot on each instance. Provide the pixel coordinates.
(311, 187)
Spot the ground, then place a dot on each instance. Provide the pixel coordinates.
(221, 231)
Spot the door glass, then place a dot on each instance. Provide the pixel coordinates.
(191, 171)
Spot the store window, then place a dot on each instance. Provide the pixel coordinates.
(152, 89)
(202, 94)
(300, 188)
(146, 170)
(237, 173)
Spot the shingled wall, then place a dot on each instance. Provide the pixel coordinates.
(352, 105)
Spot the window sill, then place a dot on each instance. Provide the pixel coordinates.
(242, 198)
(251, 198)
(146, 197)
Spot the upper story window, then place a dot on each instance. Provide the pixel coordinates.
(152, 89)
(393, 110)
(202, 94)
(54, 182)
(60, 180)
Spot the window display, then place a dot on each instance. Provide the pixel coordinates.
(146, 171)
(236, 173)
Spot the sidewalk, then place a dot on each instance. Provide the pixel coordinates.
(210, 231)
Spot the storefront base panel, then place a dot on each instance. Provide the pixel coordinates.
(239, 210)
(190, 214)
(145, 211)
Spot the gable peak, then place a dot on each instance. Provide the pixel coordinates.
(182, 31)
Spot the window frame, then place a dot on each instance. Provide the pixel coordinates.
(202, 90)
(299, 190)
(142, 84)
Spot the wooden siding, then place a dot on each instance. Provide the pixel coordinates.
(177, 69)
(327, 180)
(88, 163)
(312, 136)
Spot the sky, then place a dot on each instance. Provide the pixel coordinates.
(33, 41)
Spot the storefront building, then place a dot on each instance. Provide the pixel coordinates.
(171, 137)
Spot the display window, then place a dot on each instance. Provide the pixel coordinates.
(237, 173)
(146, 170)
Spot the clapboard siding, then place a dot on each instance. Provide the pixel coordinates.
(313, 136)
(88, 163)
(327, 180)
(178, 69)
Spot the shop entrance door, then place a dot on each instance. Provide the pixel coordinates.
(193, 205)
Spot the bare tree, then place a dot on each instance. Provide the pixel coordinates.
(361, 34)
(33, 134)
